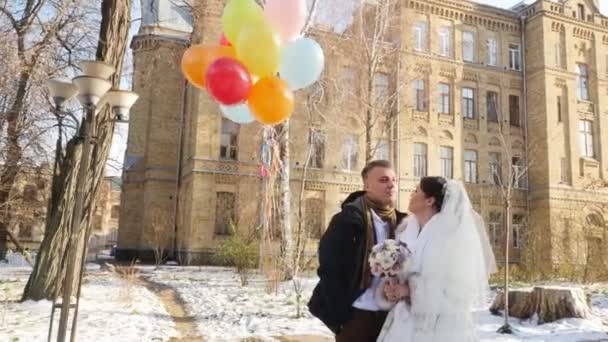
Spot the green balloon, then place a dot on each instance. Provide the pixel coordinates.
(238, 14)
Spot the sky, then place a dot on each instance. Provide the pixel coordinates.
(510, 3)
(120, 139)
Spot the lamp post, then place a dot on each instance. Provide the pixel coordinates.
(92, 89)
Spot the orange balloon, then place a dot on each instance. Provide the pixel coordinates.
(197, 59)
(271, 100)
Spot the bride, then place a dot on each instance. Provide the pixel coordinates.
(448, 271)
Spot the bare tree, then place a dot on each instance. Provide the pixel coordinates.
(515, 178)
(369, 86)
(287, 239)
(38, 37)
(161, 224)
(44, 282)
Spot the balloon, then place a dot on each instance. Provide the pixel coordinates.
(197, 59)
(287, 17)
(258, 47)
(271, 101)
(239, 113)
(228, 81)
(239, 14)
(302, 62)
(224, 41)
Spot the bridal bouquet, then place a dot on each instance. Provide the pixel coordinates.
(390, 260)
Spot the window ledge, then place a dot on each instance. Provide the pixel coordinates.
(591, 162)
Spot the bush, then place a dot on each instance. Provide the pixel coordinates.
(239, 252)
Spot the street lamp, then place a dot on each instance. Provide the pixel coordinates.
(92, 89)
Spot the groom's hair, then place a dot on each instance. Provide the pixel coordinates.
(373, 164)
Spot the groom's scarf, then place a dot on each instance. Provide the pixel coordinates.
(388, 215)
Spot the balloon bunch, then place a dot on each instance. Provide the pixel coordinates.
(260, 60)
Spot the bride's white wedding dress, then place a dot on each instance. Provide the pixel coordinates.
(451, 261)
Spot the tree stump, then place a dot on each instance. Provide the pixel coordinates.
(519, 304)
(548, 303)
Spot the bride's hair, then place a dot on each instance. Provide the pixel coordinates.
(434, 187)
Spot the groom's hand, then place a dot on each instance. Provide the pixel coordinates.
(394, 291)
(390, 291)
(403, 290)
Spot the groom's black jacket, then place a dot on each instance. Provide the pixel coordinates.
(341, 254)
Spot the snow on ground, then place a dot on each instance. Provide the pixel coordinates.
(565, 330)
(225, 311)
(114, 309)
(111, 309)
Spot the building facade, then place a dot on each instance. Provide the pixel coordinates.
(484, 95)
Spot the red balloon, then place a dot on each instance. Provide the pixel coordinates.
(224, 41)
(228, 81)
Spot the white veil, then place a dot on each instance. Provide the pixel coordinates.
(453, 263)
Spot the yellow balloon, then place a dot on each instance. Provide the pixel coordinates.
(259, 48)
(237, 15)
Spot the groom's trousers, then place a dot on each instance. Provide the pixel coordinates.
(365, 326)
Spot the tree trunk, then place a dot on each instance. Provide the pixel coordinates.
(287, 238)
(550, 304)
(45, 280)
(506, 325)
(12, 166)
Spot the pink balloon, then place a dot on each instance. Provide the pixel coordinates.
(287, 17)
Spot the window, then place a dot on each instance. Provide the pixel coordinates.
(348, 80)
(580, 11)
(420, 36)
(495, 168)
(586, 138)
(559, 109)
(514, 56)
(514, 110)
(447, 162)
(115, 211)
(468, 103)
(518, 228)
(582, 82)
(519, 173)
(380, 88)
(420, 160)
(492, 51)
(445, 41)
(229, 140)
(495, 226)
(381, 152)
(30, 193)
(468, 46)
(492, 106)
(313, 218)
(225, 213)
(470, 166)
(316, 139)
(564, 176)
(420, 95)
(350, 152)
(444, 98)
(25, 231)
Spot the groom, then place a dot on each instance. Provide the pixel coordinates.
(344, 297)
